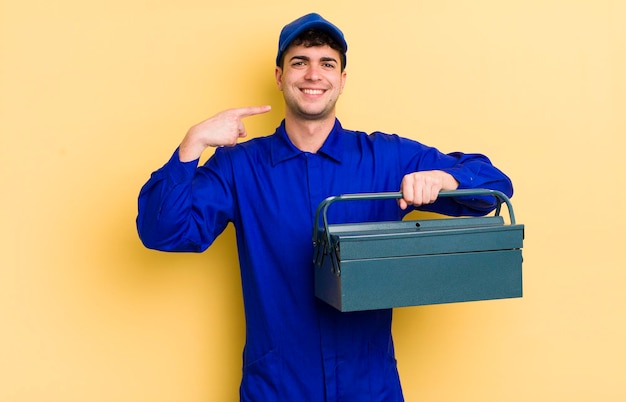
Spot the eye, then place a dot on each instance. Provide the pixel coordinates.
(298, 62)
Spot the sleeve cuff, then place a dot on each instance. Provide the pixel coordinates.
(178, 171)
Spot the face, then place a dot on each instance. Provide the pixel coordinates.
(311, 81)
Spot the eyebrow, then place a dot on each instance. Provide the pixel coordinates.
(306, 58)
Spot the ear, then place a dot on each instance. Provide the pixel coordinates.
(278, 72)
(344, 76)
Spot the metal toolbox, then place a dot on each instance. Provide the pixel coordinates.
(369, 266)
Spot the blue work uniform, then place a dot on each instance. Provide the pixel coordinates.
(298, 348)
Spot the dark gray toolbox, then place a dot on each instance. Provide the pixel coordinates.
(369, 266)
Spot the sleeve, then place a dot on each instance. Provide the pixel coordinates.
(183, 207)
(470, 170)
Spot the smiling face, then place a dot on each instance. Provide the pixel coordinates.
(311, 80)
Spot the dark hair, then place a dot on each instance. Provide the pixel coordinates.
(314, 37)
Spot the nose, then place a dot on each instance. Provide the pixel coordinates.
(312, 73)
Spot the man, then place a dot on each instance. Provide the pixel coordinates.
(298, 348)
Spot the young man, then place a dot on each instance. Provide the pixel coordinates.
(297, 347)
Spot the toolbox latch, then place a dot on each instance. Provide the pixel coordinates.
(325, 247)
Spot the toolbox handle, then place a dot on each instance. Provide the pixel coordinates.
(323, 206)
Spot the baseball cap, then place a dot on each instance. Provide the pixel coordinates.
(309, 21)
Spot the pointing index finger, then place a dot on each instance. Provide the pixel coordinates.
(251, 110)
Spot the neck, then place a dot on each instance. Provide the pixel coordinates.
(308, 135)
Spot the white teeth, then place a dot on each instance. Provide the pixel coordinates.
(313, 91)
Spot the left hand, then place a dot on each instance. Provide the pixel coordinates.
(420, 188)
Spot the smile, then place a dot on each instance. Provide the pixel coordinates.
(313, 91)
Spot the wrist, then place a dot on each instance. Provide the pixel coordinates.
(448, 181)
(189, 151)
(192, 146)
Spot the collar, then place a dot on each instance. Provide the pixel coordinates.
(283, 149)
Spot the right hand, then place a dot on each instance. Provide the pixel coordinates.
(223, 129)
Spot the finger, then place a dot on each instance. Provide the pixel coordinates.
(434, 188)
(418, 194)
(251, 110)
(241, 129)
(408, 193)
(417, 190)
(434, 193)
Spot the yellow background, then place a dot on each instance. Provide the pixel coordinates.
(95, 95)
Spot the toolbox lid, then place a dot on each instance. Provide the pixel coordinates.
(427, 237)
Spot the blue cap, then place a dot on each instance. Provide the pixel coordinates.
(309, 21)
